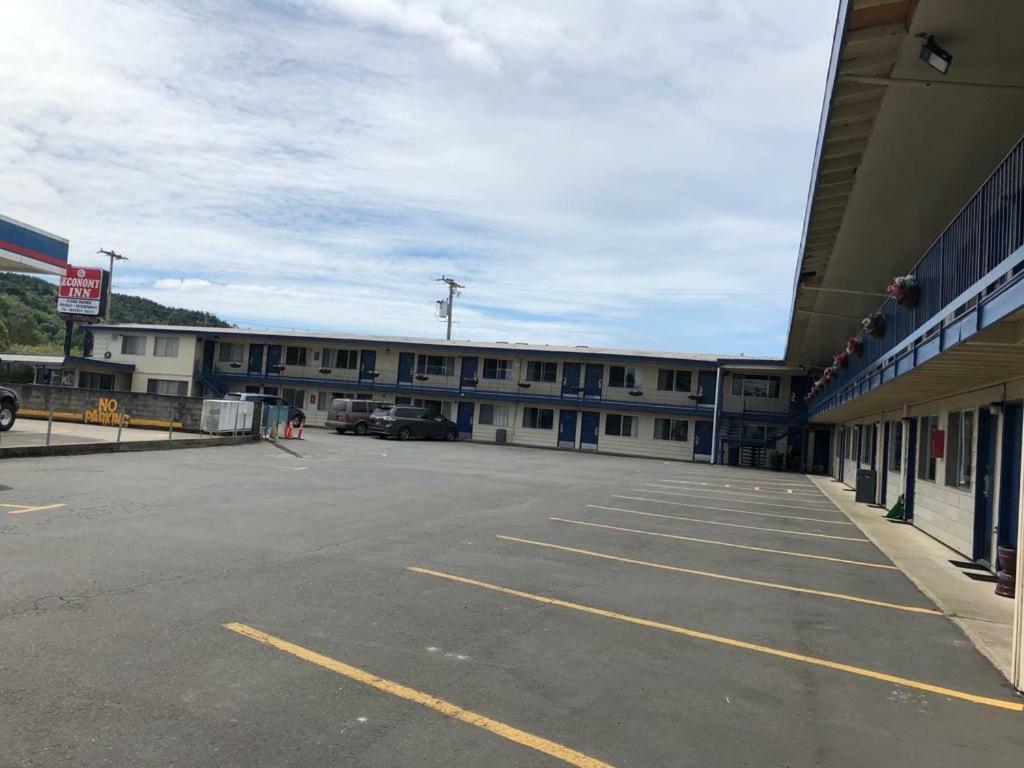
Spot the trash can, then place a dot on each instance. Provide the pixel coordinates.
(500, 435)
(775, 462)
(866, 481)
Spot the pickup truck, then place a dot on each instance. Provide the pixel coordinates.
(8, 408)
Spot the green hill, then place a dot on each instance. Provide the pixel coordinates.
(29, 321)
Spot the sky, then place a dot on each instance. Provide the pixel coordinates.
(628, 174)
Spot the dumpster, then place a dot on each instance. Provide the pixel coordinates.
(867, 479)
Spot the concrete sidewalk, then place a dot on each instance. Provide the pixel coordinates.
(972, 605)
(32, 432)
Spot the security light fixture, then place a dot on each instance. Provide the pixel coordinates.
(935, 56)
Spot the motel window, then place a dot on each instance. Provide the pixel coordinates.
(165, 346)
(755, 386)
(167, 387)
(925, 457)
(341, 358)
(625, 376)
(896, 447)
(672, 429)
(539, 370)
(674, 381)
(493, 415)
(538, 418)
(435, 365)
(325, 400)
(619, 425)
(495, 368)
(295, 356)
(296, 397)
(231, 352)
(133, 345)
(87, 380)
(434, 406)
(959, 449)
(754, 431)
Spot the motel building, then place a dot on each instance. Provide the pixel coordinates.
(926, 182)
(689, 407)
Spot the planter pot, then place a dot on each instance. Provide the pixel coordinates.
(523, 384)
(911, 295)
(325, 371)
(421, 377)
(1006, 559)
(235, 365)
(636, 392)
(471, 382)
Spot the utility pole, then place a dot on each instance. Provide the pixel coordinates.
(454, 289)
(110, 286)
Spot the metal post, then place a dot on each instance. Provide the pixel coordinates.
(69, 329)
(49, 420)
(170, 426)
(120, 424)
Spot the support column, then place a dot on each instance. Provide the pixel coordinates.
(716, 450)
(1017, 659)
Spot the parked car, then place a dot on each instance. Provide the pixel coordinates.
(345, 414)
(404, 421)
(296, 415)
(8, 408)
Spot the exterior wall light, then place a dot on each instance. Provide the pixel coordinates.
(934, 56)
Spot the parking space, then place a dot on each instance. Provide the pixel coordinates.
(365, 603)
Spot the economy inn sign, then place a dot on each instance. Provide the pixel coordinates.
(83, 292)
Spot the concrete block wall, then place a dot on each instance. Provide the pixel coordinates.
(97, 406)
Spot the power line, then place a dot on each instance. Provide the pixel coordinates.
(454, 289)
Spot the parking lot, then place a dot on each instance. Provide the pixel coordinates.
(382, 603)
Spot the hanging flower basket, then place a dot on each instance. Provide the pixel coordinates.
(523, 384)
(325, 371)
(905, 291)
(373, 374)
(278, 367)
(636, 392)
(421, 377)
(471, 381)
(235, 365)
(841, 360)
(854, 347)
(874, 325)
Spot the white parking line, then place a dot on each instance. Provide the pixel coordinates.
(756, 494)
(734, 501)
(737, 511)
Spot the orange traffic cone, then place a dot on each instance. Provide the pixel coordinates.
(299, 435)
(288, 430)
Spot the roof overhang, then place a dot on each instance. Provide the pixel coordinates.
(24, 248)
(900, 149)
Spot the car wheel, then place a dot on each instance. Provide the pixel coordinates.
(450, 434)
(6, 417)
(339, 430)
(404, 433)
(361, 428)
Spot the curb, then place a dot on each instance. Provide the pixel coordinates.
(81, 449)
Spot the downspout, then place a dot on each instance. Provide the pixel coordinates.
(715, 451)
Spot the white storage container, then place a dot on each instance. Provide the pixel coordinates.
(220, 416)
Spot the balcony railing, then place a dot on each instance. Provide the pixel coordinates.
(963, 267)
(439, 385)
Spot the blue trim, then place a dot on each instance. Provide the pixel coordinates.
(77, 360)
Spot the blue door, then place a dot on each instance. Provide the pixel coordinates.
(910, 435)
(985, 488)
(570, 379)
(469, 378)
(208, 349)
(821, 444)
(406, 361)
(702, 438)
(1009, 495)
(270, 390)
(588, 430)
(465, 419)
(367, 364)
(273, 357)
(256, 359)
(707, 382)
(594, 381)
(884, 473)
(566, 428)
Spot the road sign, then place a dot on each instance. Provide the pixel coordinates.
(83, 292)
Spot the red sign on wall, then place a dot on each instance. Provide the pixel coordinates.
(83, 292)
(938, 443)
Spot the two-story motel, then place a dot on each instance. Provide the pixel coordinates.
(921, 174)
(674, 406)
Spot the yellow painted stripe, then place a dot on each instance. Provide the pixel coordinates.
(40, 413)
(1014, 706)
(37, 413)
(565, 754)
(737, 511)
(731, 525)
(728, 544)
(693, 495)
(725, 577)
(22, 510)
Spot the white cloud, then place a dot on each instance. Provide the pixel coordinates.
(595, 172)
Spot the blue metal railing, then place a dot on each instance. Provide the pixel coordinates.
(986, 231)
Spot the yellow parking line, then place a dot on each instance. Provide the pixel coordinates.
(1014, 706)
(730, 525)
(737, 511)
(725, 577)
(693, 495)
(565, 754)
(729, 544)
(19, 510)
